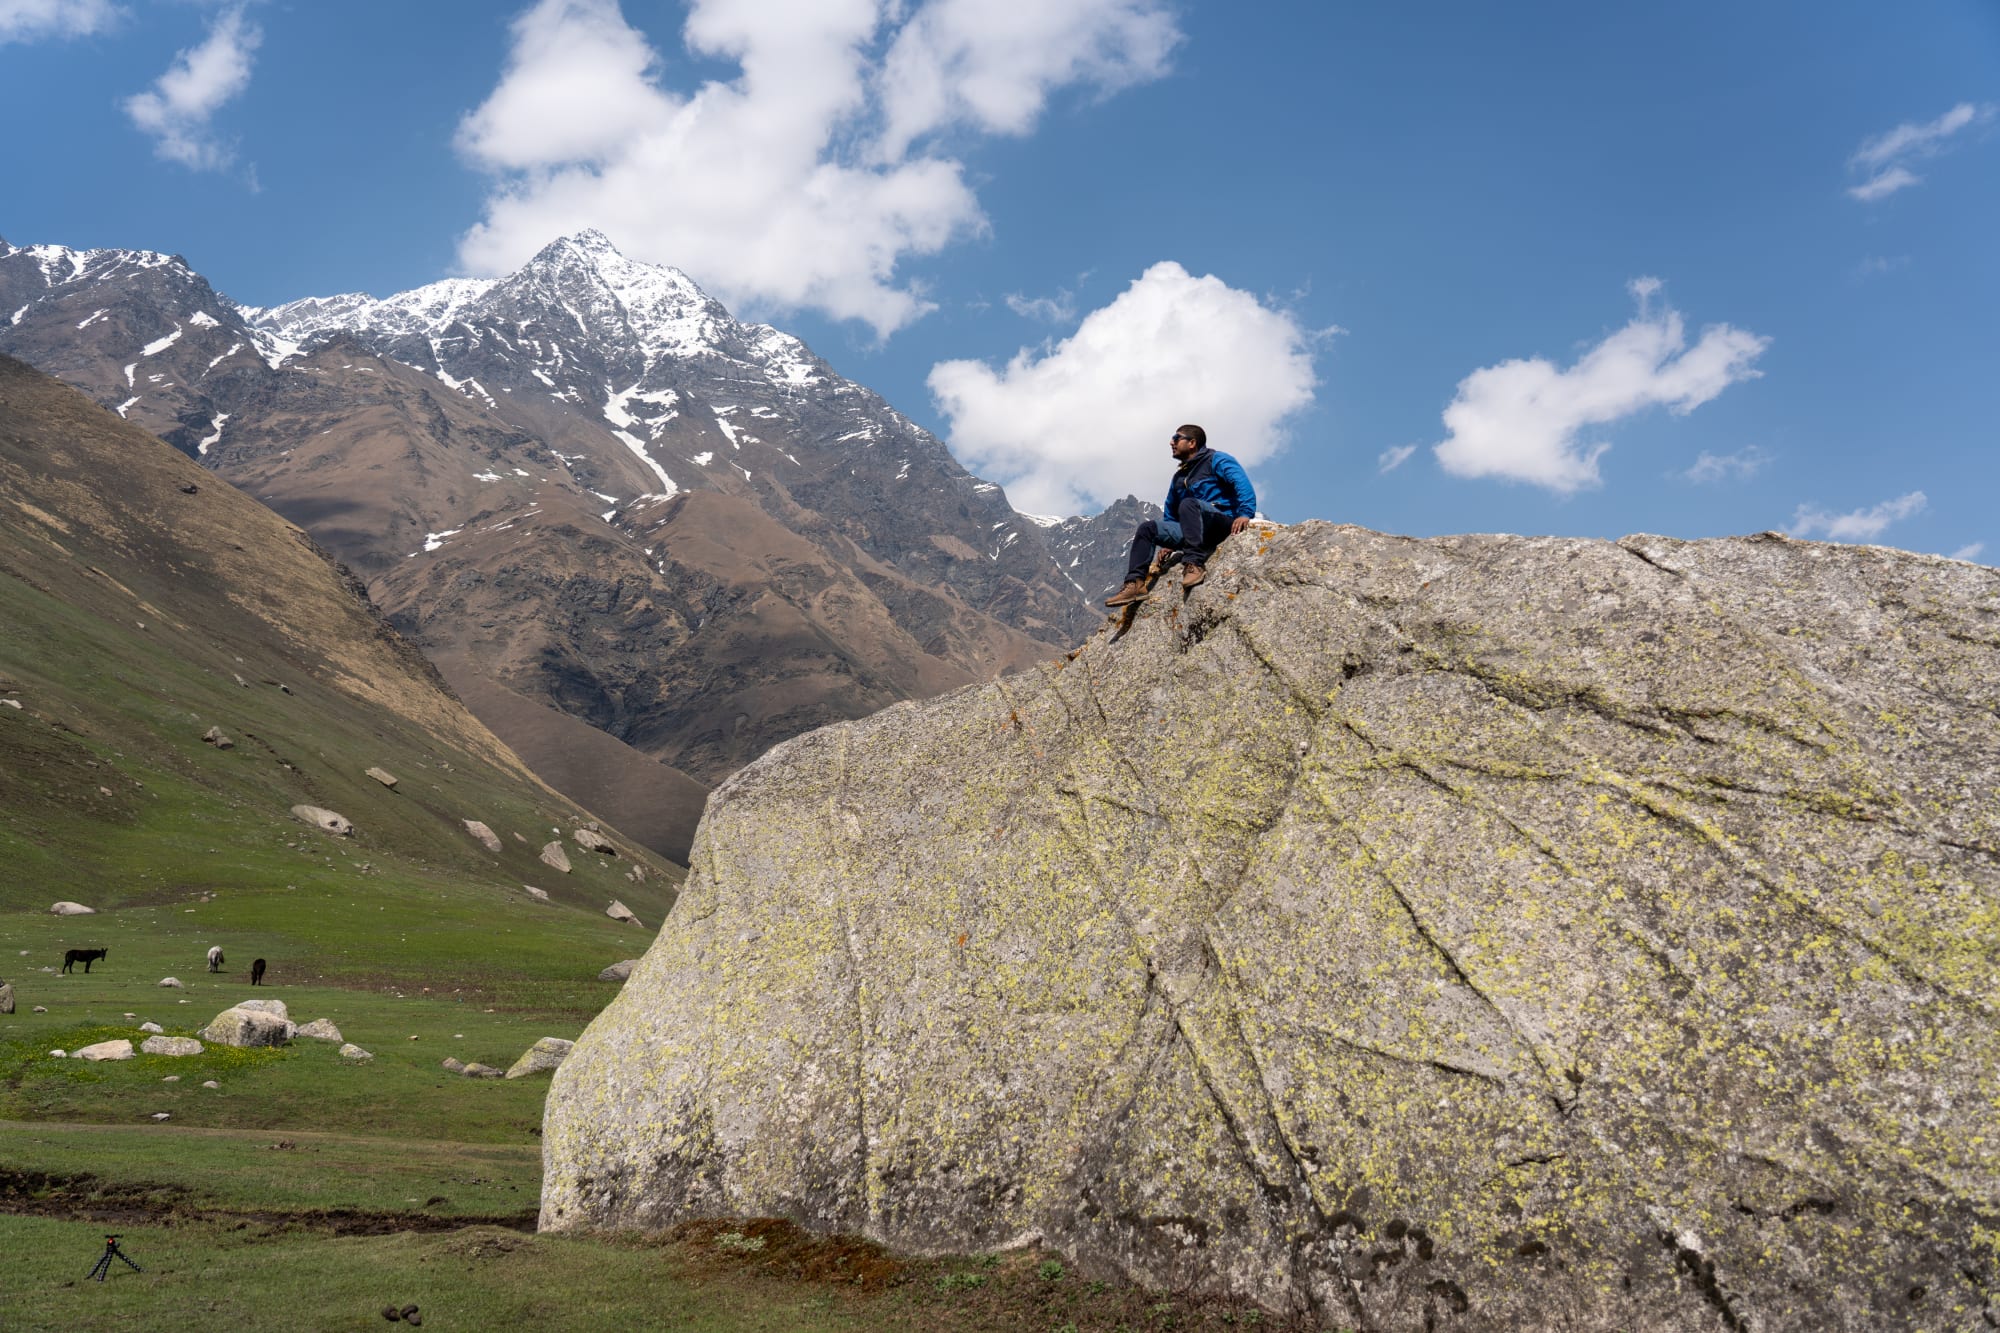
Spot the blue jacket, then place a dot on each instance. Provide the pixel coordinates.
(1222, 483)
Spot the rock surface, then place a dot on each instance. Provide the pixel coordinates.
(1467, 933)
(171, 1046)
(243, 1026)
(321, 1029)
(71, 909)
(592, 841)
(618, 971)
(6, 997)
(383, 776)
(555, 857)
(618, 911)
(322, 818)
(487, 837)
(172, 983)
(543, 1057)
(120, 1049)
(349, 1051)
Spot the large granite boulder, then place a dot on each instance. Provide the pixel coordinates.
(1468, 933)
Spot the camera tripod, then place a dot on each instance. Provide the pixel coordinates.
(111, 1249)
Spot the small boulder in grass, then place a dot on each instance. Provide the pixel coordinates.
(247, 1027)
(151, 1027)
(171, 1046)
(349, 1051)
(321, 1029)
(172, 983)
(618, 911)
(618, 971)
(539, 895)
(121, 1049)
(71, 909)
(477, 1070)
(453, 1065)
(541, 1058)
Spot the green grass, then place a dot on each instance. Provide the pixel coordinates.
(217, 1274)
(202, 1278)
(289, 1171)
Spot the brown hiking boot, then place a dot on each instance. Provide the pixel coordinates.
(1192, 575)
(1133, 591)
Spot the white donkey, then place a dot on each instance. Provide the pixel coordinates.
(215, 957)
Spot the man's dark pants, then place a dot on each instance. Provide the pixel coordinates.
(1203, 522)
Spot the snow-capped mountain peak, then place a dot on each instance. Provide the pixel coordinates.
(578, 313)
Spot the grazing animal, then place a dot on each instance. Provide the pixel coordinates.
(215, 957)
(256, 972)
(84, 956)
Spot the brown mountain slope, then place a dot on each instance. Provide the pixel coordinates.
(142, 604)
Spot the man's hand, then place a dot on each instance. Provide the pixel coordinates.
(1237, 524)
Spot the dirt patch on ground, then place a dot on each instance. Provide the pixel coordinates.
(86, 1198)
(777, 1247)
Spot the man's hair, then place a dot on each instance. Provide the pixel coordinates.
(1197, 434)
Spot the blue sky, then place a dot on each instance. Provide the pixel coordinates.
(1586, 269)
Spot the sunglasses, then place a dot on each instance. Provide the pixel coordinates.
(1178, 436)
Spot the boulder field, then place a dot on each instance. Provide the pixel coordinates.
(1477, 932)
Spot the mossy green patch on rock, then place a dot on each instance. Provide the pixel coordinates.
(1477, 932)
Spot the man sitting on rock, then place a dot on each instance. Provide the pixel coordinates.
(1209, 499)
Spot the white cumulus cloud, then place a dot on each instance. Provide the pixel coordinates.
(1970, 551)
(1072, 426)
(1859, 525)
(32, 20)
(806, 179)
(1885, 158)
(1523, 420)
(178, 108)
(992, 66)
